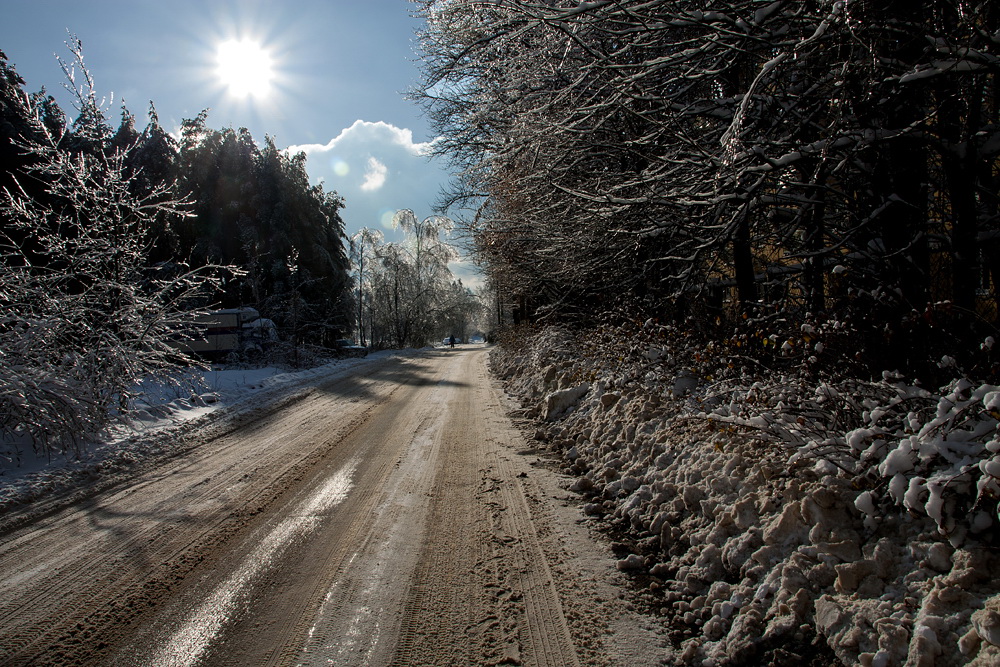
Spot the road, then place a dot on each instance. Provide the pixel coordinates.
(384, 518)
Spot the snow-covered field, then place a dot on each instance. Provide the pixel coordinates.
(165, 412)
(778, 518)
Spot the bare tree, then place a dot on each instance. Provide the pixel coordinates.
(363, 245)
(659, 149)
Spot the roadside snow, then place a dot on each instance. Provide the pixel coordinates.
(777, 520)
(165, 412)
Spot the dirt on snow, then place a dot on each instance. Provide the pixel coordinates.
(751, 555)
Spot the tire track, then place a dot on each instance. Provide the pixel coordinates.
(284, 608)
(482, 593)
(223, 556)
(80, 580)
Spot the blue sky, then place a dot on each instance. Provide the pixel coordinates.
(339, 71)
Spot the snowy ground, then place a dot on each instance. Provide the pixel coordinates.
(165, 412)
(777, 519)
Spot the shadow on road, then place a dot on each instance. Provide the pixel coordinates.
(358, 385)
(403, 371)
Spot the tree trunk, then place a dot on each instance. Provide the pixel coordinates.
(746, 285)
(815, 271)
(961, 171)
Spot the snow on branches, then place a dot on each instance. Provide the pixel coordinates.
(82, 316)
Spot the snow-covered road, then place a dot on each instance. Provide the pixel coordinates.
(384, 516)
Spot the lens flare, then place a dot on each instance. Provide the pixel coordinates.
(340, 167)
(385, 217)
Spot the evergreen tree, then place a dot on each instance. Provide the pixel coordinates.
(254, 207)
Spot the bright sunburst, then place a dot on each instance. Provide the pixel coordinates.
(245, 68)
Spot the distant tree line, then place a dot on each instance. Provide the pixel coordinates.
(406, 294)
(775, 162)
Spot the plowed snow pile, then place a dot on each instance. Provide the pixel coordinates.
(779, 519)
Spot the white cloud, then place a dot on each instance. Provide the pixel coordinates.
(375, 176)
(378, 132)
(377, 168)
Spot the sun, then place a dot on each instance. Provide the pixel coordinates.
(245, 68)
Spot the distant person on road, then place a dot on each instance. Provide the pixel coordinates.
(451, 341)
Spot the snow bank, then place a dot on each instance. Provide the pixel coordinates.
(776, 514)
